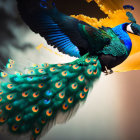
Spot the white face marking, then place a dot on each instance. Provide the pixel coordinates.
(129, 29)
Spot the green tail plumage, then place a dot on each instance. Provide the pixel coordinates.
(29, 101)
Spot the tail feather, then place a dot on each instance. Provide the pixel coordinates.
(36, 100)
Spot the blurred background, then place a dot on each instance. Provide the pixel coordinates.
(112, 110)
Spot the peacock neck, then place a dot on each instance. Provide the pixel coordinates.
(120, 31)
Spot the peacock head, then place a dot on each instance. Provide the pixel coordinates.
(131, 27)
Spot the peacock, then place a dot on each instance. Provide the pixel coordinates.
(32, 101)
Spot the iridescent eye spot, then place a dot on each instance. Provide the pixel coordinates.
(52, 69)
(40, 70)
(49, 112)
(4, 74)
(95, 64)
(1, 92)
(9, 86)
(41, 85)
(75, 67)
(1, 111)
(36, 94)
(25, 94)
(89, 71)
(65, 106)
(58, 84)
(94, 60)
(62, 95)
(70, 100)
(15, 127)
(74, 86)
(95, 72)
(47, 101)
(9, 66)
(82, 95)
(10, 97)
(35, 109)
(37, 130)
(35, 65)
(43, 121)
(18, 118)
(30, 72)
(86, 89)
(8, 107)
(0, 99)
(64, 73)
(87, 60)
(48, 93)
(81, 78)
(59, 65)
(2, 119)
(45, 65)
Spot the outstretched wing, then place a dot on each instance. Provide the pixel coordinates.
(58, 29)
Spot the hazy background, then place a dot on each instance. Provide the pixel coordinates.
(111, 111)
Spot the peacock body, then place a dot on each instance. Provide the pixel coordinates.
(31, 101)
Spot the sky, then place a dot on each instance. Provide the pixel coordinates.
(107, 113)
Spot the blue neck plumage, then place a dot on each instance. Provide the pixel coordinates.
(123, 35)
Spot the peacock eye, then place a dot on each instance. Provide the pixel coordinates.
(86, 89)
(49, 112)
(45, 65)
(74, 86)
(70, 100)
(1, 92)
(75, 67)
(14, 127)
(47, 101)
(10, 86)
(4, 74)
(0, 99)
(25, 94)
(37, 130)
(82, 95)
(95, 72)
(35, 109)
(64, 73)
(1, 111)
(41, 85)
(40, 70)
(2, 119)
(81, 78)
(43, 121)
(9, 66)
(62, 95)
(8, 107)
(52, 69)
(58, 84)
(18, 118)
(65, 106)
(87, 60)
(36, 94)
(48, 93)
(10, 97)
(89, 71)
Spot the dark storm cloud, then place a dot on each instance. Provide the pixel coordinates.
(9, 16)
